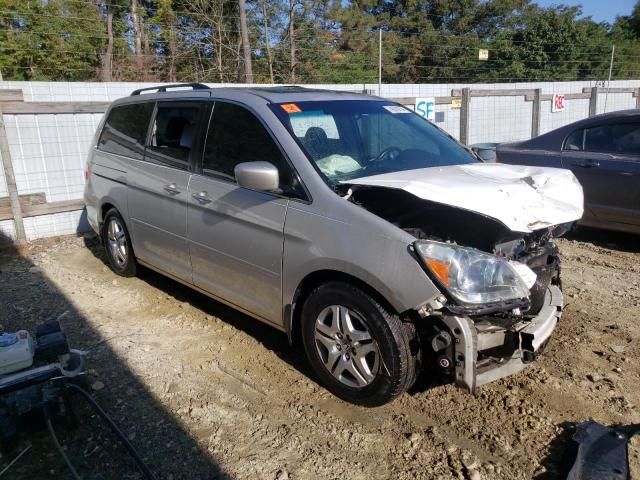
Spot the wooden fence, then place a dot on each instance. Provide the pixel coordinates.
(16, 206)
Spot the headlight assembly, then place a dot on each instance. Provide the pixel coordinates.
(471, 276)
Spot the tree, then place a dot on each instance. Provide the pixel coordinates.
(310, 41)
(56, 40)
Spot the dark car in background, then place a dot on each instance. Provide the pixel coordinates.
(603, 152)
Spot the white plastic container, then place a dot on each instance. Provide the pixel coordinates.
(16, 351)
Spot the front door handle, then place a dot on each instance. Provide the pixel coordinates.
(202, 197)
(589, 163)
(171, 189)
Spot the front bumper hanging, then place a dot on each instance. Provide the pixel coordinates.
(530, 337)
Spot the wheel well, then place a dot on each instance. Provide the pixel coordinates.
(103, 211)
(314, 280)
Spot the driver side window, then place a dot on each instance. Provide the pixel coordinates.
(235, 136)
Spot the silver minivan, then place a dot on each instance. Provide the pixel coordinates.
(369, 236)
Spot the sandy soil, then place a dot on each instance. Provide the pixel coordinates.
(205, 392)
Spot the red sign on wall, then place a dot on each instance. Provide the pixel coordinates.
(557, 104)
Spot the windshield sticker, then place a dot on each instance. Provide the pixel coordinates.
(290, 108)
(395, 109)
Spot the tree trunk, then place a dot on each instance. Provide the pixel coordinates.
(107, 59)
(266, 40)
(137, 32)
(172, 54)
(292, 38)
(220, 74)
(246, 48)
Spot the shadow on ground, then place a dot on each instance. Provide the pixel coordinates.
(625, 242)
(268, 336)
(561, 454)
(27, 298)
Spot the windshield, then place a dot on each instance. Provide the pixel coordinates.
(349, 139)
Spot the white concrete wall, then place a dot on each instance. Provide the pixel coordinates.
(49, 151)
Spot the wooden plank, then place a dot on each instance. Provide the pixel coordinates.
(34, 108)
(54, 207)
(611, 90)
(593, 101)
(10, 178)
(412, 100)
(47, 209)
(464, 116)
(25, 201)
(504, 92)
(535, 113)
(637, 94)
(11, 95)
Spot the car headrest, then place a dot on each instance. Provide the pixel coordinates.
(315, 134)
(186, 139)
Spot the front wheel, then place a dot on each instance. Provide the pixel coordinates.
(359, 349)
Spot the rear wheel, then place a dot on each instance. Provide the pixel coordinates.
(117, 245)
(358, 348)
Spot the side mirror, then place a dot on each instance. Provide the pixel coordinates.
(486, 151)
(261, 176)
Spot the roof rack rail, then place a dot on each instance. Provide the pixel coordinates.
(163, 88)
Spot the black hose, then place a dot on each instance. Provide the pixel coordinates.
(60, 449)
(114, 428)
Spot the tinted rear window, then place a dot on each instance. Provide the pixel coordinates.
(173, 132)
(621, 138)
(125, 130)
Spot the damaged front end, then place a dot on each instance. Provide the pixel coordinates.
(501, 289)
(505, 320)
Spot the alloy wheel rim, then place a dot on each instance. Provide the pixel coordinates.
(346, 347)
(117, 242)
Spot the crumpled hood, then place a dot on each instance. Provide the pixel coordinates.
(523, 198)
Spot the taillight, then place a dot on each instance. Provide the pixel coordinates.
(87, 173)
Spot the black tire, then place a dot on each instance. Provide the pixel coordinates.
(396, 364)
(128, 267)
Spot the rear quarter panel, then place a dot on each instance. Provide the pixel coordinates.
(107, 184)
(525, 156)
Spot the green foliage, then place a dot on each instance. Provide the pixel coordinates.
(333, 41)
(53, 40)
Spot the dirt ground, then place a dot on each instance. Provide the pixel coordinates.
(205, 392)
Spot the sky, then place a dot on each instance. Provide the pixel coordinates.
(599, 10)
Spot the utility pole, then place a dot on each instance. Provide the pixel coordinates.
(380, 61)
(606, 93)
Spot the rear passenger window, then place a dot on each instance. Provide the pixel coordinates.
(125, 130)
(173, 133)
(623, 138)
(236, 136)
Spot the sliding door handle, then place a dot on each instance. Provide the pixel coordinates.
(202, 197)
(171, 189)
